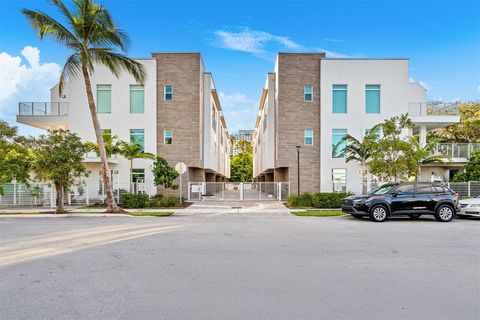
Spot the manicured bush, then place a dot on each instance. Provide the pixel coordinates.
(164, 202)
(133, 201)
(323, 200)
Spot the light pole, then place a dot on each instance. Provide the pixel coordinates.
(298, 170)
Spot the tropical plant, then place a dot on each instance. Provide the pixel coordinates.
(94, 39)
(241, 167)
(243, 146)
(133, 151)
(58, 157)
(467, 130)
(111, 144)
(163, 174)
(472, 169)
(359, 151)
(423, 155)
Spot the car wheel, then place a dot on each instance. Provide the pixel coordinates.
(378, 213)
(358, 216)
(415, 215)
(444, 213)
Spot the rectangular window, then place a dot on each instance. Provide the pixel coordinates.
(138, 136)
(104, 98)
(137, 99)
(138, 175)
(167, 137)
(168, 93)
(338, 144)
(339, 100)
(339, 179)
(265, 122)
(308, 137)
(214, 118)
(308, 93)
(372, 98)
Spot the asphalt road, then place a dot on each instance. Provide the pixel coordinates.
(238, 266)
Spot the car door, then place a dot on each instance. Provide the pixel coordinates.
(425, 198)
(403, 198)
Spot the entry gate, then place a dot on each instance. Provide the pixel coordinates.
(238, 191)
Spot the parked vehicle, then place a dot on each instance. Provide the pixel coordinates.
(410, 198)
(470, 207)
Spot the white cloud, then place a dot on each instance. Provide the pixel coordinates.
(239, 111)
(24, 81)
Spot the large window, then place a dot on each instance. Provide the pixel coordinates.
(168, 93)
(339, 98)
(308, 93)
(138, 136)
(138, 175)
(339, 180)
(338, 143)
(308, 137)
(372, 98)
(167, 137)
(137, 99)
(214, 118)
(104, 98)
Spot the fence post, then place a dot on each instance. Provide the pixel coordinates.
(14, 193)
(241, 190)
(88, 197)
(52, 200)
(279, 188)
(468, 188)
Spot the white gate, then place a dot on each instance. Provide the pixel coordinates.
(238, 191)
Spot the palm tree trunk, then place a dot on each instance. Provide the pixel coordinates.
(364, 179)
(131, 175)
(111, 205)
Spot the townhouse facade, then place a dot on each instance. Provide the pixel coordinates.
(310, 102)
(175, 114)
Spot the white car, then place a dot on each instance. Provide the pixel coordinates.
(470, 207)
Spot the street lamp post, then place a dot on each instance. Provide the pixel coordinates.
(298, 170)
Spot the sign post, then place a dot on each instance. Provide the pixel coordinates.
(181, 168)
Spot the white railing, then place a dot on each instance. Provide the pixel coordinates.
(433, 109)
(238, 191)
(93, 155)
(43, 108)
(456, 150)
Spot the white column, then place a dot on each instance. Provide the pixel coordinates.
(423, 135)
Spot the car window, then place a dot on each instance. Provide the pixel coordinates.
(424, 188)
(405, 189)
(384, 189)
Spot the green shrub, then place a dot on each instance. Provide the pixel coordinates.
(164, 202)
(321, 200)
(133, 201)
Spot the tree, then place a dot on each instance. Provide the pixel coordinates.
(133, 151)
(420, 156)
(389, 148)
(163, 174)
(467, 130)
(243, 146)
(58, 157)
(94, 38)
(15, 157)
(359, 151)
(241, 167)
(472, 169)
(111, 145)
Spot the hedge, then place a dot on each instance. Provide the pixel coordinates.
(164, 202)
(322, 200)
(133, 201)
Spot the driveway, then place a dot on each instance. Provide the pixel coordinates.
(241, 264)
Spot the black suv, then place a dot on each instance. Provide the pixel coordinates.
(411, 198)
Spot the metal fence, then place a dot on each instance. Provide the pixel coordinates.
(238, 191)
(457, 150)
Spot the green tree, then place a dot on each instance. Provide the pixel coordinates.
(243, 146)
(58, 157)
(133, 151)
(163, 174)
(111, 145)
(15, 156)
(467, 130)
(390, 148)
(420, 156)
(93, 38)
(359, 151)
(472, 169)
(241, 167)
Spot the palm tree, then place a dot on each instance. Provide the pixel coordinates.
(421, 156)
(358, 151)
(133, 151)
(111, 145)
(93, 38)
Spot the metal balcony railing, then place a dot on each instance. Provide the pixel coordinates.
(43, 108)
(457, 150)
(433, 109)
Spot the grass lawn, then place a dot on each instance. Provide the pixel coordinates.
(152, 214)
(321, 213)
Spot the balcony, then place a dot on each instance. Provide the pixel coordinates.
(92, 157)
(459, 152)
(433, 115)
(44, 115)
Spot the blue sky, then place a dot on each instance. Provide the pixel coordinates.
(238, 41)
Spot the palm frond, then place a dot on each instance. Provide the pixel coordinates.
(117, 62)
(71, 68)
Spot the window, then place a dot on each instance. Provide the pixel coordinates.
(168, 93)
(214, 118)
(308, 137)
(104, 98)
(372, 98)
(339, 98)
(405, 189)
(138, 175)
(338, 143)
(308, 93)
(137, 99)
(138, 136)
(167, 137)
(265, 121)
(424, 188)
(339, 180)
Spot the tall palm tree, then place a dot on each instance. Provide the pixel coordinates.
(358, 151)
(111, 145)
(90, 33)
(133, 151)
(421, 156)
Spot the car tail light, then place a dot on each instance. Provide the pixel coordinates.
(456, 195)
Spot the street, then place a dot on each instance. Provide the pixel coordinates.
(238, 266)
